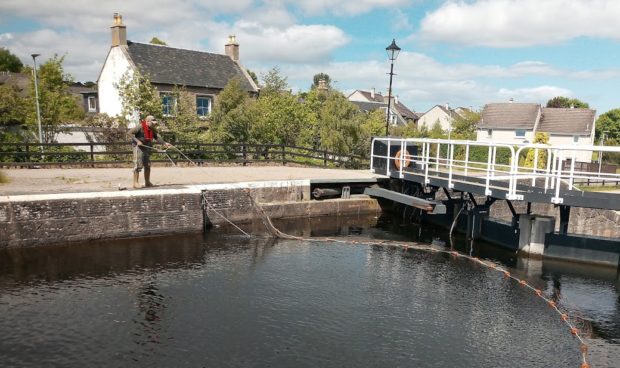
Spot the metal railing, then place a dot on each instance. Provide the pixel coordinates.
(29, 154)
(494, 165)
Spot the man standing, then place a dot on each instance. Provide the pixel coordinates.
(143, 136)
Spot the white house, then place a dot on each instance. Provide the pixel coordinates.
(442, 115)
(201, 73)
(519, 122)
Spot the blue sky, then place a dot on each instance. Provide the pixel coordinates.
(465, 53)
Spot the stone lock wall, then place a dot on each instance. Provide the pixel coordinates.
(42, 220)
(38, 220)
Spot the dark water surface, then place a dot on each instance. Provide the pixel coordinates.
(222, 300)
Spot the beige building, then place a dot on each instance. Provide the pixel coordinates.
(519, 122)
(442, 115)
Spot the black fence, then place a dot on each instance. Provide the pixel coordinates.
(28, 154)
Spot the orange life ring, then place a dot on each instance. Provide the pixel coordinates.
(397, 159)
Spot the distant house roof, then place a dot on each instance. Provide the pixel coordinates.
(168, 65)
(81, 88)
(380, 101)
(510, 116)
(567, 121)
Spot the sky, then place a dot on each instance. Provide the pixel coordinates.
(463, 53)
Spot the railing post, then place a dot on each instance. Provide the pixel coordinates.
(325, 158)
(28, 152)
(450, 162)
(283, 155)
(92, 155)
(244, 151)
(466, 158)
(388, 155)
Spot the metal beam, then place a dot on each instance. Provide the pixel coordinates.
(423, 204)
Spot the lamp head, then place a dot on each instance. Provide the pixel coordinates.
(392, 50)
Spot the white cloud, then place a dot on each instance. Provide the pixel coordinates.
(83, 56)
(521, 23)
(293, 44)
(534, 94)
(345, 7)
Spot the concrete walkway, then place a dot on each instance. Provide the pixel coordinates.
(47, 181)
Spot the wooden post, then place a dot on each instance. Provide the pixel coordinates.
(325, 158)
(245, 154)
(92, 155)
(283, 155)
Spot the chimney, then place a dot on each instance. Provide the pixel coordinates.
(322, 85)
(119, 31)
(232, 48)
(372, 93)
(396, 100)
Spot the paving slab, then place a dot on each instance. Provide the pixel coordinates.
(69, 180)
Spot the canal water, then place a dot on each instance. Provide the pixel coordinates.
(223, 300)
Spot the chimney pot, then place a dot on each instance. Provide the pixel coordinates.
(119, 31)
(232, 48)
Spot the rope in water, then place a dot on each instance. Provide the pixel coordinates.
(406, 246)
(412, 245)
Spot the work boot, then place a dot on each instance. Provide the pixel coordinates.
(136, 183)
(147, 178)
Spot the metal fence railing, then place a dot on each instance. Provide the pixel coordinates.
(490, 163)
(27, 154)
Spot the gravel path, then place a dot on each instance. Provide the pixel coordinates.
(39, 181)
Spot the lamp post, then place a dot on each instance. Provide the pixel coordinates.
(600, 152)
(36, 94)
(392, 52)
(449, 120)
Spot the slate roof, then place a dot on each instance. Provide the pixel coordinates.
(509, 116)
(381, 101)
(168, 65)
(567, 121)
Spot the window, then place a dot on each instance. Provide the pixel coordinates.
(203, 105)
(575, 139)
(167, 102)
(489, 133)
(92, 104)
(520, 133)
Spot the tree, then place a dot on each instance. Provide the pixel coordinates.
(9, 62)
(565, 102)
(253, 76)
(231, 119)
(138, 97)
(321, 76)
(609, 122)
(540, 138)
(464, 125)
(157, 41)
(13, 113)
(273, 81)
(57, 105)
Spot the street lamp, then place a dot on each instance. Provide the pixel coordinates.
(392, 52)
(36, 93)
(449, 120)
(600, 152)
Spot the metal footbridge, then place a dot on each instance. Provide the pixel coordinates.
(535, 173)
